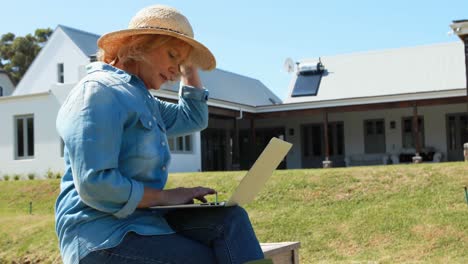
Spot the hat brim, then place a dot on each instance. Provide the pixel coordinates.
(200, 56)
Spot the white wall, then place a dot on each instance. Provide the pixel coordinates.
(44, 107)
(47, 141)
(6, 84)
(188, 162)
(43, 71)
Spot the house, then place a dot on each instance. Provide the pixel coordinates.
(369, 104)
(6, 84)
(29, 141)
(376, 107)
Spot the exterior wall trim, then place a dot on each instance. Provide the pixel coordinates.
(14, 97)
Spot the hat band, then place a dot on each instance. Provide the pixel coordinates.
(162, 28)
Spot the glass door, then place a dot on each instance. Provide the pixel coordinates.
(457, 135)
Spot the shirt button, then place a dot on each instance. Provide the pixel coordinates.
(163, 143)
(149, 96)
(150, 123)
(164, 168)
(154, 118)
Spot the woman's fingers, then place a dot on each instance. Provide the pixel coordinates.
(183, 195)
(200, 192)
(201, 199)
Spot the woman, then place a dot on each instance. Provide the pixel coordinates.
(116, 154)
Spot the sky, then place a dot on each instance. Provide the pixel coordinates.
(254, 37)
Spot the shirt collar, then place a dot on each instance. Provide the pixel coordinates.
(101, 66)
(121, 74)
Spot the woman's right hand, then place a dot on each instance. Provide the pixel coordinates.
(181, 195)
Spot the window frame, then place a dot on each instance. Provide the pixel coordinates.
(62, 147)
(174, 144)
(60, 72)
(25, 136)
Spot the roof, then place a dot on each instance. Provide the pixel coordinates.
(232, 87)
(430, 68)
(86, 41)
(223, 85)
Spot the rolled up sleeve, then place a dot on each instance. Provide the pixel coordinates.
(92, 131)
(189, 115)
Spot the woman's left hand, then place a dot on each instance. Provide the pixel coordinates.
(190, 76)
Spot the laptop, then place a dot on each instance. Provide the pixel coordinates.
(253, 181)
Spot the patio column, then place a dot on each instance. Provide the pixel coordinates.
(229, 150)
(460, 27)
(235, 146)
(327, 163)
(253, 144)
(416, 138)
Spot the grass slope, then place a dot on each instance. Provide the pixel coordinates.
(385, 214)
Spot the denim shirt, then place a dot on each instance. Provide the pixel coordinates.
(115, 134)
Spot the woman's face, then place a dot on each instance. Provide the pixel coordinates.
(162, 64)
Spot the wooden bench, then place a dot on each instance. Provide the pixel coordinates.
(282, 252)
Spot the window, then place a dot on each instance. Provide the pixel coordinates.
(60, 74)
(182, 144)
(407, 132)
(1, 91)
(24, 140)
(62, 146)
(374, 136)
(308, 80)
(314, 139)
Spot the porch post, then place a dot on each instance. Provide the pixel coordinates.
(465, 41)
(460, 27)
(253, 140)
(416, 138)
(327, 163)
(235, 146)
(229, 150)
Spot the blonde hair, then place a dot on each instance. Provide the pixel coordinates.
(135, 48)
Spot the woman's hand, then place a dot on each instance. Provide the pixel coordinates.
(186, 195)
(181, 195)
(190, 76)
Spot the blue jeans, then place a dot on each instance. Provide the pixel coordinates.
(208, 235)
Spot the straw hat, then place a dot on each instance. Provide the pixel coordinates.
(163, 20)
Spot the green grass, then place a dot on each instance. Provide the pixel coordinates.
(384, 214)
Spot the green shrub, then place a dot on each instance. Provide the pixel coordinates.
(49, 174)
(17, 177)
(6, 177)
(31, 176)
(58, 175)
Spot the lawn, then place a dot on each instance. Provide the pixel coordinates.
(380, 214)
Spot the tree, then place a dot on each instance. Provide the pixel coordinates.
(17, 53)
